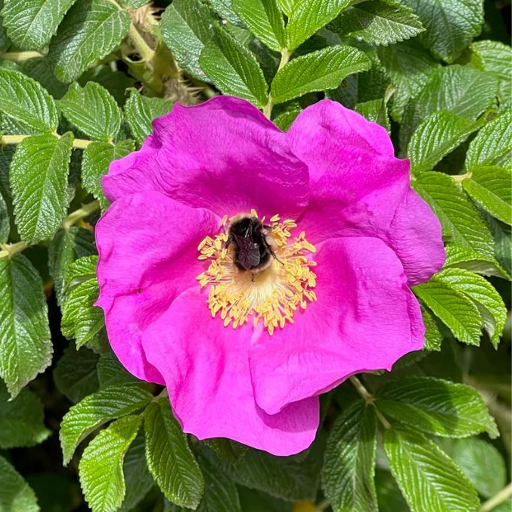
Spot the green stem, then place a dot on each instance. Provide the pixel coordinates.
(16, 139)
(497, 499)
(369, 399)
(285, 57)
(20, 56)
(143, 49)
(459, 177)
(9, 250)
(322, 506)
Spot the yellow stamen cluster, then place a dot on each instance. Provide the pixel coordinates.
(272, 295)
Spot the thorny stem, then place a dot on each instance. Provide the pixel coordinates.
(369, 399)
(9, 250)
(285, 57)
(497, 499)
(20, 56)
(16, 139)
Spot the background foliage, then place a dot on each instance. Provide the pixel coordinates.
(80, 82)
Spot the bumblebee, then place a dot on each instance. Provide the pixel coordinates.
(253, 251)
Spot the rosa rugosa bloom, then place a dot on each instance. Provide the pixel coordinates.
(250, 270)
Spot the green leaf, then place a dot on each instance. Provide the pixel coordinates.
(483, 465)
(95, 410)
(15, 493)
(21, 420)
(410, 68)
(375, 111)
(169, 458)
(224, 10)
(428, 479)
(26, 103)
(287, 6)
(67, 246)
(226, 449)
(435, 137)
(453, 308)
(82, 269)
(116, 82)
(492, 145)
(317, 71)
(491, 188)
(81, 319)
(96, 160)
(138, 479)
(349, 468)
(141, 110)
(433, 336)
(463, 257)
(286, 119)
(31, 24)
(90, 31)
(93, 110)
(290, 478)
(112, 372)
(101, 466)
(41, 69)
(496, 58)
(436, 406)
(39, 179)
(379, 22)
(484, 296)
(234, 69)
(186, 27)
(5, 222)
(264, 20)
(25, 345)
(309, 17)
(461, 222)
(450, 24)
(75, 374)
(220, 492)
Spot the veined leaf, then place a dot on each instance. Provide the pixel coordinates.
(111, 371)
(435, 137)
(410, 68)
(463, 257)
(21, 420)
(186, 27)
(453, 308)
(67, 246)
(224, 9)
(437, 407)
(287, 6)
(379, 22)
(491, 188)
(93, 110)
(95, 410)
(433, 336)
(89, 32)
(15, 493)
(234, 69)
(140, 112)
(39, 178)
(309, 17)
(375, 111)
(5, 222)
(317, 71)
(96, 160)
(136, 474)
(264, 20)
(81, 270)
(461, 222)
(349, 468)
(169, 458)
(75, 375)
(25, 344)
(31, 24)
(484, 296)
(428, 479)
(101, 466)
(492, 145)
(286, 119)
(450, 24)
(26, 103)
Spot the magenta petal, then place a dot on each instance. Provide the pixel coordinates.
(223, 155)
(358, 188)
(206, 370)
(148, 255)
(365, 319)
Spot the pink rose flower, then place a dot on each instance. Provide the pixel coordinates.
(245, 337)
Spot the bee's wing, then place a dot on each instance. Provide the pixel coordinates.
(248, 253)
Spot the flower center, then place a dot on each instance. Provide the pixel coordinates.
(270, 293)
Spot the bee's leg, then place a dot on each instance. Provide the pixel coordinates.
(271, 250)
